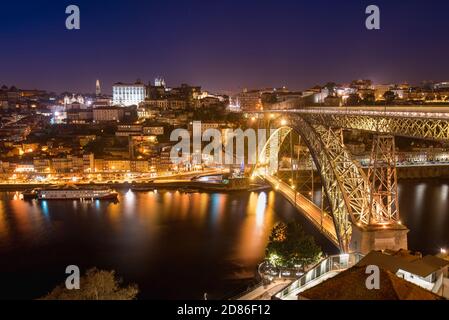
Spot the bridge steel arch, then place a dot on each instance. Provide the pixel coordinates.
(345, 183)
(407, 126)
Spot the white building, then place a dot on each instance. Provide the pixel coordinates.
(128, 94)
(74, 99)
(159, 82)
(441, 85)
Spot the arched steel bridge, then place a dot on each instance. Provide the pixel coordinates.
(356, 198)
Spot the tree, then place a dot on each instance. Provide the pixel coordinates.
(289, 246)
(353, 99)
(95, 285)
(331, 87)
(369, 98)
(389, 96)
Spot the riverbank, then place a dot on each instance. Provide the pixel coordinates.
(420, 172)
(409, 172)
(185, 185)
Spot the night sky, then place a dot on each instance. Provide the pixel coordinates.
(222, 45)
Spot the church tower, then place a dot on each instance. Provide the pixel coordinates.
(98, 88)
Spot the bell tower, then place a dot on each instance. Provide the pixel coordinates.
(97, 88)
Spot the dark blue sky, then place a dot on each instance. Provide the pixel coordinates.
(221, 45)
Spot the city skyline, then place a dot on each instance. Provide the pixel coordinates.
(233, 150)
(228, 46)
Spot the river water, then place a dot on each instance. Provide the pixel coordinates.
(173, 245)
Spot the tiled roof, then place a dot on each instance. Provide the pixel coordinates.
(351, 285)
(414, 264)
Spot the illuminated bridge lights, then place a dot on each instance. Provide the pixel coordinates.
(346, 186)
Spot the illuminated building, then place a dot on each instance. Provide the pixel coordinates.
(234, 106)
(79, 116)
(159, 82)
(155, 131)
(128, 94)
(380, 89)
(74, 99)
(104, 114)
(98, 88)
(42, 165)
(250, 100)
(441, 85)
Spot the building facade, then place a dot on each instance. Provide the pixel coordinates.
(104, 114)
(128, 94)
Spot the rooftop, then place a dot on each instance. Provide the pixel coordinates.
(350, 285)
(404, 260)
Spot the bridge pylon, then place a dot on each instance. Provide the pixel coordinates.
(384, 229)
(382, 176)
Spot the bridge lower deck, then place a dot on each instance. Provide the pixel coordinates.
(323, 222)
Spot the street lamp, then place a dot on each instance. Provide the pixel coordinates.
(294, 189)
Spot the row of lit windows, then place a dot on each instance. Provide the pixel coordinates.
(128, 95)
(129, 90)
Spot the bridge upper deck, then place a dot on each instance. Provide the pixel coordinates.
(422, 122)
(420, 112)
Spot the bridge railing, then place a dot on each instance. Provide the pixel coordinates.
(426, 112)
(331, 236)
(330, 264)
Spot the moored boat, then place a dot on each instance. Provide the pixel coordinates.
(189, 190)
(29, 194)
(142, 189)
(75, 193)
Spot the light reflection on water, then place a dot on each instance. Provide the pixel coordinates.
(199, 240)
(202, 242)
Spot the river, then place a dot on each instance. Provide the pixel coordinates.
(173, 245)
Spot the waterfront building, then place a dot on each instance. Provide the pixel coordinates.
(4, 166)
(24, 168)
(117, 165)
(89, 162)
(42, 165)
(140, 166)
(61, 165)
